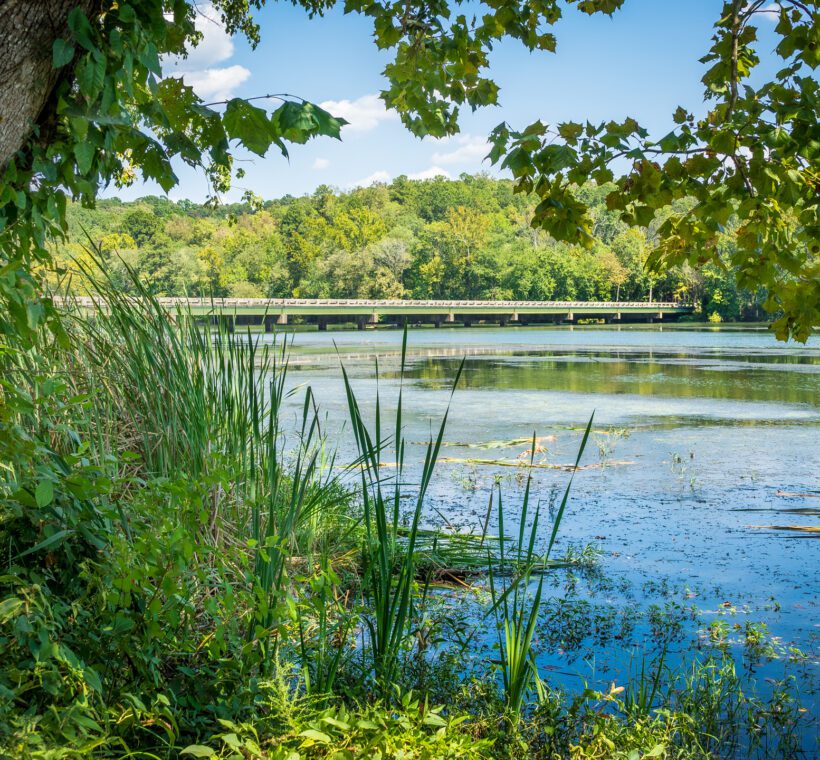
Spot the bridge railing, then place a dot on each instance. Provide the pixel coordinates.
(447, 305)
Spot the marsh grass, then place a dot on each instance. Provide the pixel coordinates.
(178, 401)
(514, 603)
(390, 552)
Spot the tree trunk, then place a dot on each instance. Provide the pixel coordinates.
(28, 29)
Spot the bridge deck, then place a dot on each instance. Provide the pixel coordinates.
(361, 307)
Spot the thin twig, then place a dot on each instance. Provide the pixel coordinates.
(274, 96)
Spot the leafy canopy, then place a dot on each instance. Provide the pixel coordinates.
(751, 159)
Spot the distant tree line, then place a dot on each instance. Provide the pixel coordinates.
(468, 238)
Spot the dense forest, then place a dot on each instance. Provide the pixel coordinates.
(439, 238)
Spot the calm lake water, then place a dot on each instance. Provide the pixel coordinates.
(700, 436)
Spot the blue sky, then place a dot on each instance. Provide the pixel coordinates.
(643, 62)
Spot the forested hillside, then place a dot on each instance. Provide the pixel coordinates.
(439, 238)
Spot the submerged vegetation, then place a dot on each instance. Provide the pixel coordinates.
(188, 572)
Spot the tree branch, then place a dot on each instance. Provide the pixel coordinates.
(274, 96)
(736, 24)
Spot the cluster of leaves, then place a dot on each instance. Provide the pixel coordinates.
(412, 729)
(467, 238)
(116, 116)
(751, 158)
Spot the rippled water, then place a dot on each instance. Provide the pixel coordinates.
(699, 437)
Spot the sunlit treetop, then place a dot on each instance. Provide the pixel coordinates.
(106, 114)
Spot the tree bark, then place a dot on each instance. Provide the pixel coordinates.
(28, 29)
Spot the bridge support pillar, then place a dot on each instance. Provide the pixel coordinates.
(322, 323)
(361, 323)
(374, 319)
(269, 322)
(282, 319)
(437, 321)
(450, 317)
(570, 317)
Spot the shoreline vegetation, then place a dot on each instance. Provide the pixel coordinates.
(469, 238)
(190, 578)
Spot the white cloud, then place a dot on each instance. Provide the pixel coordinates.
(433, 171)
(364, 113)
(376, 177)
(217, 84)
(216, 44)
(320, 163)
(198, 70)
(467, 149)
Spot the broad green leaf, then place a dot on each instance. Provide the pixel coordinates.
(92, 679)
(316, 736)
(84, 153)
(9, 607)
(62, 53)
(81, 29)
(198, 750)
(248, 124)
(44, 493)
(434, 719)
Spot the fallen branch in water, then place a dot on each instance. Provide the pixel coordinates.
(534, 465)
(800, 528)
(810, 511)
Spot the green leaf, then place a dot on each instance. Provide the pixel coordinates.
(52, 540)
(331, 721)
(91, 75)
(84, 153)
(198, 750)
(434, 719)
(248, 124)
(570, 131)
(44, 493)
(367, 725)
(316, 736)
(61, 53)
(680, 115)
(92, 679)
(81, 28)
(8, 607)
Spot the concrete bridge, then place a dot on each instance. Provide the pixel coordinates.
(323, 311)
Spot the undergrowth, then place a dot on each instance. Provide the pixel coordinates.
(185, 574)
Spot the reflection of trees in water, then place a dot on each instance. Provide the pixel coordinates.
(676, 375)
